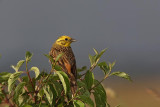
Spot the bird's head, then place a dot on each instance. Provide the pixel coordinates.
(65, 41)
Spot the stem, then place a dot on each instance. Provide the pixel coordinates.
(77, 92)
(94, 65)
(29, 77)
(46, 80)
(27, 71)
(26, 89)
(101, 80)
(70, 100)
(7, 99)
(97, 84)
(62, 95)
(91, 69)
(40, 102)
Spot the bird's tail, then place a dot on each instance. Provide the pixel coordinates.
(73, 84)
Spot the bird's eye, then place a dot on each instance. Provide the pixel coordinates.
(66, 39)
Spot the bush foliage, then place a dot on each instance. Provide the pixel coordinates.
(52, 89)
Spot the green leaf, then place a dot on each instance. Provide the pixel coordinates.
(78, 103)
(98, 100)
(65, 80)
(81, 84)
(92, 59)
(4, 76)
(96, 52)
(57, 58)
(49, 94)
(122, 75)
(57, 68)
(27, 105)
(86, 100)
(102, 52)
(13, 77)
(104, 67)
(41, 93)
(55, 94)
(100, 89)
(36, 70)
(29, 87)
(97, 57)
(50, 58)
(99, 94)
(57, 87)
(19, 64)
(41, 105)
(60, 105)
(89, 78)
(102, 64)
(53, 78)
(28, 56)
(111, 65)
(23, 99)
(25, 79)
(82, 69)
(14, 67)
(18, 89)
(82, 88)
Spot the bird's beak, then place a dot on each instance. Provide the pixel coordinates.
(73, 40)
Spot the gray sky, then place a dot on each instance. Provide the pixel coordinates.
(129, 28)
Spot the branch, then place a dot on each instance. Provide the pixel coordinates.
(91, 69)
(97, 84)
(26, 89)
(29, 77)
(38, 87)
(7, 99)
(101, 80)
(27, 71)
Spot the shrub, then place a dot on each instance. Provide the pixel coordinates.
(53, 89)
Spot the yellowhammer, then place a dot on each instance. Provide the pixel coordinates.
(67, 61)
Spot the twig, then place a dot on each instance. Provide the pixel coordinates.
(46, 80)
(26, 89)
(91, 69)
(97, 84)
(27, 71)
(7, 99)
(62, 95)
(101, 80)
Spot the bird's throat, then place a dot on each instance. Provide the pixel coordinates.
(65, 44)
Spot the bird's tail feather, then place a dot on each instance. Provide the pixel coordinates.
(73, 83)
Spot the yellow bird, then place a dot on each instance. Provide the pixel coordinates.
(67, 61)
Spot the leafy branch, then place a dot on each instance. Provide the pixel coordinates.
(53, 89)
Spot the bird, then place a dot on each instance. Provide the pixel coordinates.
(67, 61)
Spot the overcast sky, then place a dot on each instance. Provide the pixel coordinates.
(130, 29)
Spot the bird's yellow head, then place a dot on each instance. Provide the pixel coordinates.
(65, 41)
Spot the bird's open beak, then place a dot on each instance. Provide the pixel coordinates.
(73, 40)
